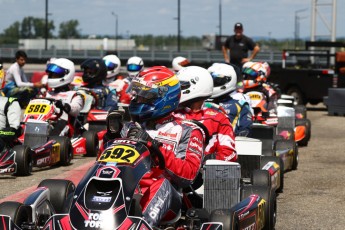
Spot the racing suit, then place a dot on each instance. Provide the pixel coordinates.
(182, 147)
(9, 119)
(221, 145)
(121, 85)
(238, 111)
(75, 103)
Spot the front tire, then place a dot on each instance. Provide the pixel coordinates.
(61, 193)
(23, 159)
(92, 143)
(18, 212)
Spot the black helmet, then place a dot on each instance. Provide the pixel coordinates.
(94, 71)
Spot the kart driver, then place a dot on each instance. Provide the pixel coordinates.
(9, 120)
(197, 86)
(226, 95)
(156, 94)
(94, 75)
(60, 74)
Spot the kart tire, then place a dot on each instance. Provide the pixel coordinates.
(61, 193)
(307, 124)
(270, 197)
(92, 143)
(18, 212)
(280, 162)
(23, 159)
(295, 159)
(224, 216)
(66, 153)
(301, 109)
(261, 178)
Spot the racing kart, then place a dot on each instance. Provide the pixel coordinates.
(106, 198)
(40, 118)
(276, 131)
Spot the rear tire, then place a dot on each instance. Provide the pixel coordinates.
(307, 124)
(66, 153)
(261, 178)
(92, 143)
(18, 212)
(23, 159)
(61, 193)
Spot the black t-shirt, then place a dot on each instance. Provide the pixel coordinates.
(239, 48)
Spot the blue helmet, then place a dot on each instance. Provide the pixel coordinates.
(156, 93)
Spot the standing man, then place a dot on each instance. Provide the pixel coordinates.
(239, 45)
(16, 83)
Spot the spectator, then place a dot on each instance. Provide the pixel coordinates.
(239, 45)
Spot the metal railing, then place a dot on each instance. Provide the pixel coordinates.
(152, 55)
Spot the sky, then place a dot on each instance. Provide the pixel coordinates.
(266, 18)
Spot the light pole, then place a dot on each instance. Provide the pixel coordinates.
(297, 18)
(220, 18)
(116, 26)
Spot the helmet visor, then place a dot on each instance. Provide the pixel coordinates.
(144, 94)
(219, 79)
(134, 67)
(53, 68)
(110, 65)
(184, 85)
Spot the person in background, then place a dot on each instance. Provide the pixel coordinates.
(134, 66)
(227, 97)
(238, 45)
(115, 80)
(197, 86)
(179, 62)
(16, 82)
(60, 74)
(94, 75)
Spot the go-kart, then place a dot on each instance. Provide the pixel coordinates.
(252, 156)
(106, 198)
(41, 115)
(275, 130)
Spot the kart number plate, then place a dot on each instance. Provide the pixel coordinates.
(38, 108)
(120, 154)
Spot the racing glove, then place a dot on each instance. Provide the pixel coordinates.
(64, 106)
(140, 135)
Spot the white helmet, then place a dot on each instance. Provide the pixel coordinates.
(60, 72)
(134, 66)
(196, 82)
(113, 64)
(179, 62)
(224, 79)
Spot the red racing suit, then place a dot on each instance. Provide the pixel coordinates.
(182, 148)
(222, 140)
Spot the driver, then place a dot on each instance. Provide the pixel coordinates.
(9, 119)
(60, 74)
(155, 95)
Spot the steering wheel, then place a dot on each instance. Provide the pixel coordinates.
(155, 152)
(58, 115)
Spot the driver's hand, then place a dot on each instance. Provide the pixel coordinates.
(38, 84)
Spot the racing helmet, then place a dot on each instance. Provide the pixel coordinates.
(113, 64)
(155, 93)
(179, 62)
(134, 66)
(255, 73)
(94, 71)
(60, 72)
(196, 83)
(224, 79)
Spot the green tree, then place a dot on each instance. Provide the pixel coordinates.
(35, 27)
(69, 29)
(11, 34)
